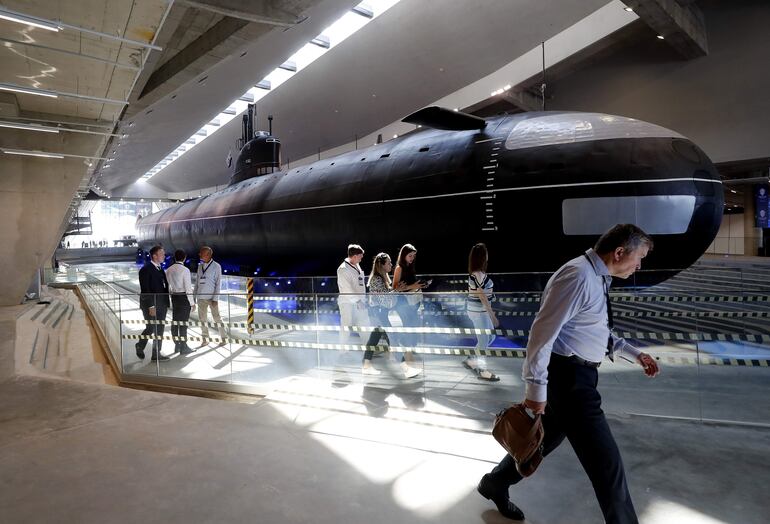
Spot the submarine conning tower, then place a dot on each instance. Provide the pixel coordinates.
(260, 154)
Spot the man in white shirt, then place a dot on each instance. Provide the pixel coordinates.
(352, 297)
(569, 338)
(180, 288)
(207, 293)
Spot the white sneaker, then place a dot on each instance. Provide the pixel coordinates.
(409, 372)
(370, 370)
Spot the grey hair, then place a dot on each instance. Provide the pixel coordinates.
(627, 236)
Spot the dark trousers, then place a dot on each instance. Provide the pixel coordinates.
(180, 310)
(153, 329)
(379, 318)
(574, 411)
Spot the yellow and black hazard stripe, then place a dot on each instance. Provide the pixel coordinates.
(445, 350)
(527, 297)
(634, 335)
(250, 301)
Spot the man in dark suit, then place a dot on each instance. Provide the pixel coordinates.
(153, 301)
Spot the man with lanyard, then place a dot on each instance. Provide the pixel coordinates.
(207, 293)
(180, 287)
(153, 301)
(569, 338)
(352, 297)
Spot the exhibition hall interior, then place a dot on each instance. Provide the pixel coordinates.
(343, 261)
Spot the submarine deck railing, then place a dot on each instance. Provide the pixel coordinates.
(713, 346)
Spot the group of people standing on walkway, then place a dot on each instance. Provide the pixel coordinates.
(156, 286)
(403, 294)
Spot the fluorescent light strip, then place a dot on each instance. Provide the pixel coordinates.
(56, 94)
(41, 154)
(58, 25)
(28, 90)
(46, 154)
(28, 127)
(28, 20)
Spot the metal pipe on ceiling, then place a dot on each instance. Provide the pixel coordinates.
(58, 24)
(55, 94)
(71, 53)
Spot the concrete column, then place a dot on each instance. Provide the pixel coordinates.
(34, 196)
(7, 342)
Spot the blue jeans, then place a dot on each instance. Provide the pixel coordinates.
(481, 320)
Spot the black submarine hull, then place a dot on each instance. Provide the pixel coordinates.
(537, 188)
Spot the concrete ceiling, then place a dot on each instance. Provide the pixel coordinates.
(204, 79)
(76, 62)
(413, 54)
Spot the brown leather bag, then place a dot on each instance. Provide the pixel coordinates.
(521, 436)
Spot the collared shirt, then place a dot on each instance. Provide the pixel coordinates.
(207, 281)
(572, 321)
(350, 281)
(179, 281)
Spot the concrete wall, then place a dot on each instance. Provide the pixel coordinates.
(34, 196)
(719, 101)
(730, 239)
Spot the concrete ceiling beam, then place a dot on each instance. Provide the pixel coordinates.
(261, 12)
(524, 100)
(681, 24)
(516, 100)
(208, 41)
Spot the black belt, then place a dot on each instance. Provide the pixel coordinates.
(577, 360)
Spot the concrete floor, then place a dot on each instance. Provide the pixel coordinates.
(86, 453)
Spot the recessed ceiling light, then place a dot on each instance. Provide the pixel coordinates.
(660, 37)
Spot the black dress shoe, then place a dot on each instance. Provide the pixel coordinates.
(186, 350)
(156, 356)
(139, 351)
(506, 508)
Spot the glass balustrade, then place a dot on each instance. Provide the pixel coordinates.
(707, 328)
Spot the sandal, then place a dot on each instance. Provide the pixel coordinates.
(467, 364)
(485, 374)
